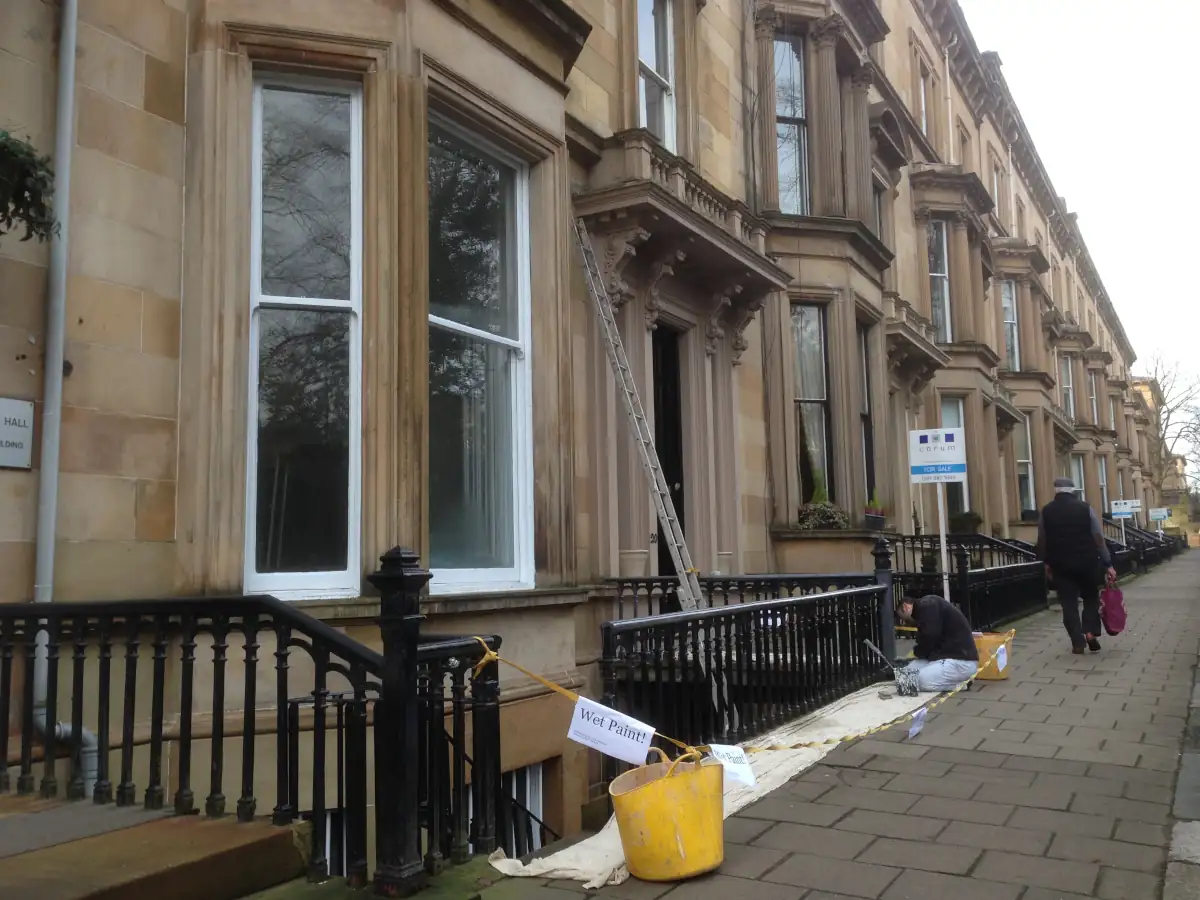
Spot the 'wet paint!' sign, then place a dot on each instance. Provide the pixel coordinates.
(16, 434)
(610, 732)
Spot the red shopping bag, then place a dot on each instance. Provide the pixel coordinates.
(1112, 609)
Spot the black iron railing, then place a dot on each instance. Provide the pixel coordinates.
(189, 646)
(994, 597)
(728, 673)
(922, 552)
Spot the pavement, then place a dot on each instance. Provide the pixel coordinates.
(1057, 784)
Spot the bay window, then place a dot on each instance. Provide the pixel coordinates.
(958, 497)
(1012, 339)
(656, 69)
(811, 401)
(791, 125)
(939, 280)
(304, 430)
(1023, 440)
(480, 431)
(1066, 389)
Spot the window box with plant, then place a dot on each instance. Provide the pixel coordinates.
(819, 514)
(874, 515)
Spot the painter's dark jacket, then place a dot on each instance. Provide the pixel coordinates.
(943, 632)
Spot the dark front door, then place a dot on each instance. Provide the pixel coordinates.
(668, 428)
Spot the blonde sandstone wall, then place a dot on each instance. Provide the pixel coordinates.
(117, 496)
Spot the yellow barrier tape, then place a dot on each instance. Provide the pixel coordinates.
(490, 656)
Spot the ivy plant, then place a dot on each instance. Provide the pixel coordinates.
(26, 189)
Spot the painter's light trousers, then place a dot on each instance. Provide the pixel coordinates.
(942, 674)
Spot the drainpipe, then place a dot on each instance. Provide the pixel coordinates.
(951, 134)
(47, 512)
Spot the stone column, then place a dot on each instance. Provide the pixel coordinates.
(857, 137)
(994, 512)
(848, 488)
(962, 301)
(922, 302)
(1091, 482)
(1083, 405)
(978, 470)
(826, 133)
(986, 314)
(1029, 328)
(765, 24)
(1043, 457)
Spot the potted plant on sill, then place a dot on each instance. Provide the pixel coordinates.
(966, 522)
(819, 514)
(873, 514)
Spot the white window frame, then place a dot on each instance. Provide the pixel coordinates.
(961, 404)
(647, 70)
(1078, 477)
(796, 47)
(939, 226)
(346, 583)
(1093, 398)
(1028, 448)
(1102, 475)
(1066, 385)
(924, 76)
(1012, 334)
(1113, 411)
(521, 575)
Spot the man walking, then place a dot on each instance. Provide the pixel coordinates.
(1071, 543)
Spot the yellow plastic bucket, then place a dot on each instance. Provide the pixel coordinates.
(986, 644)
(670, 818)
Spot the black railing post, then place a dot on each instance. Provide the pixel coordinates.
(887, 607)
(399, 868)
(962, 580)
(486, 786)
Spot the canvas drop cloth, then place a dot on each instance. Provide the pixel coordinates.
(599, 860)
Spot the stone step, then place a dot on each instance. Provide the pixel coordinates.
(112, 854)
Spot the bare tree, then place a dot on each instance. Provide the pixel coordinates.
(1176, 408)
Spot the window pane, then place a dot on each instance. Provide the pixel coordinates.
(809, 343)
(471, 490)
(791, 147)
(306, 192)
(1025, 486)
(937, 247)
(302, 503)
(952, 410)
(654, 35)
(472, 277)
(939, 290)
(789, 78)
(811, 446)
(654, 103)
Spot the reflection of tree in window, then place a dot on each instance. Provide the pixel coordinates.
(306, 192)
(791, 125)
(812, 401)
(303, 440)
(471, 287)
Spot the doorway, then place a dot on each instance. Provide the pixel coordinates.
(668, 427)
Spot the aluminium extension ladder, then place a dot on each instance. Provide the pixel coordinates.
(689, 586)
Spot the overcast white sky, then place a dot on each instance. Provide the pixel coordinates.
(1104, 93)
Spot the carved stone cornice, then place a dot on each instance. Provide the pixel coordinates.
(744, 316)
(866, 19)
(663, 267)
(618, 248)
(828, 31)
(913, 354)
(714, 330)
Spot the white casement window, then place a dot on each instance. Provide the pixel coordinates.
(1023, 439)
(1077, 475)
(1066, 389)
(811, 391)
(1102, 473)
(791, 125)
(939, 280)
(954, 415)
(656, 69)
(480, 395)
(303, 470)
(1093, 398)
(1112, 412)
(1012, 338)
